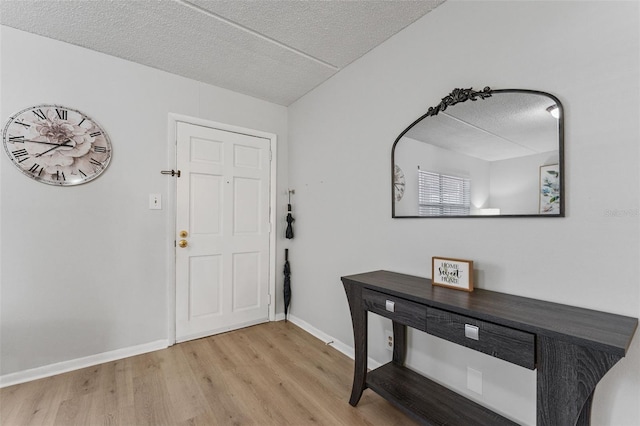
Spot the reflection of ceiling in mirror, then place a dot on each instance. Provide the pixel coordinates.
(506, 125)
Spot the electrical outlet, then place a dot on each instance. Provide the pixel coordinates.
(388, 340)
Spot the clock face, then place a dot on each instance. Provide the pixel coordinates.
(56, 145)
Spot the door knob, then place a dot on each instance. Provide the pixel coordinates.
(184, 234)
(183, 243)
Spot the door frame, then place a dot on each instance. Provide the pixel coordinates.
(171, 230)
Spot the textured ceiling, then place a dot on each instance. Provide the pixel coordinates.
(270, 49)
(504, 126)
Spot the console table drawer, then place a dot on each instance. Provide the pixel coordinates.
(501, 342)
(397, 309)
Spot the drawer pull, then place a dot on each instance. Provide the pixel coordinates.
(390, 306)
(471, 331)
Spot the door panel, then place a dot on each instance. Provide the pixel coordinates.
(206, 202)
(222, 275)
(246, 284)
(247, 157)
(205, 285)
(246, 209)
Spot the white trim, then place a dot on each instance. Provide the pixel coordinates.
(272, 232)
(78, 363)
(328, 340)
(220, 330)
(172, 139)
(171, 206)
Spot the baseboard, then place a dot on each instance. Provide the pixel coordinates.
(215, 331)
(76, 364)
(335, 343)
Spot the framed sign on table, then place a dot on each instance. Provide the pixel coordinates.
(452, 273)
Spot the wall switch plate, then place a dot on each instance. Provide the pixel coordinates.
(474, 380)
(155, 202)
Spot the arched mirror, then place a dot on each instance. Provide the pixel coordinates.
(482, 153)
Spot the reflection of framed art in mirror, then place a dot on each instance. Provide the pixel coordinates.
(549, 189)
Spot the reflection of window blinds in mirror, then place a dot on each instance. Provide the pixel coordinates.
(443, 195)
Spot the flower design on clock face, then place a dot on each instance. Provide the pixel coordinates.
(398, 183)
(56, 145)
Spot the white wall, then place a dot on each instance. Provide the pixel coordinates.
(85, 270)
(587, 54)
(515, 183)
(411, 154)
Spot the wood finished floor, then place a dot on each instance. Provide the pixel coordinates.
(270, 374)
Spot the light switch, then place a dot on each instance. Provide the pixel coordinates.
(155, 202)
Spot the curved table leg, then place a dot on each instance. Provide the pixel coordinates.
(585, 413)
(399, 343)
(359, 320)
(567, 376)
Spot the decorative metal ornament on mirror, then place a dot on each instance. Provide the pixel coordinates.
(457, 96)
(481, 158)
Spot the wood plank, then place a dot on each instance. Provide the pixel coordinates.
(151, 400)
(188, 400)
(403, 311)
(74, 411)
(269, 374)
(31, 403)
(209, 361)
(586, 327)
(501, 342)
(444, 407)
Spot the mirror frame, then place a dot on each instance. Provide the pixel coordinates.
(462, 95)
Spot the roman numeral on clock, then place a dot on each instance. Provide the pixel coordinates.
(62, 114)
(95, 162)
(82, 173)
(22, 124)
(99, 149)
(19, 153)
(40, 114)
(95, 134)
(35, 167)
(16, 139)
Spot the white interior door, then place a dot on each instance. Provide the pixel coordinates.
(222, 198)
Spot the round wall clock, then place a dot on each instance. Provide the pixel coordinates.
(56, 145)
(398, 183)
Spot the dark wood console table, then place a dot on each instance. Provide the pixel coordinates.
(571, 348)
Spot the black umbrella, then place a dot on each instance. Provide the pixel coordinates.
(287, 283)
(290, 219)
